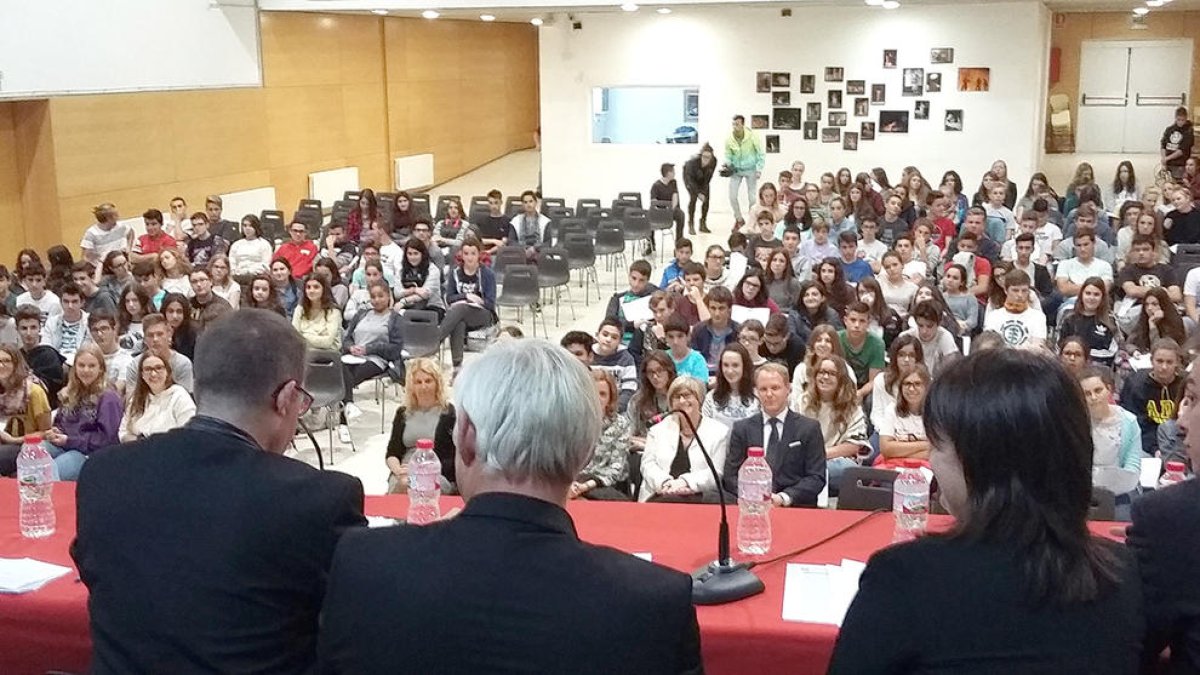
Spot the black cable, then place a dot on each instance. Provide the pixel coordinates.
(320, 459)
(809, 547)
(723, 531)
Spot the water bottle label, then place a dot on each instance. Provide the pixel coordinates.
(915, 506)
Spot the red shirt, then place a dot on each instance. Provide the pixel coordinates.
(147, 244)
(300, 256)
(947, 231)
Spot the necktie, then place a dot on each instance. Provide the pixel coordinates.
(773, 439)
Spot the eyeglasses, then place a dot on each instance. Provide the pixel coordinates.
(716, 256)
(826, 373)
(306, 399)
(153, 369)
(298, 230)
(912, 385)
(653, 372)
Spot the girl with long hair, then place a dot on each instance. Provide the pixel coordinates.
(178, 313)
(420, 284)
(60, 260)
(223, 284)
(24, 405)
(733, 398)
(650, 399)
(116, 274)
(427, 413)
(952, 187)
(842, 182)
(859, 204)
(89, 417)
(821, 343)
(831, 398)
(262, 295)
(1091, 320)
(832, 278)
(1039, 188)
(328, 269)
(251, 254)
(25, 259)
(134, 305)
(768, 200)
(1159, 319)
(609, 465)
(286, 288)
(928, 291)
(173, 270)
(798, 216)
(363, 217)
(1124, 187)
(403, 216)
(897, 289)
(902, 429)
(317, 317)
(782, 285)
(1084, 178)
(751, 292)
(812, 310)
(1074, 354)
(157, 404)
(904, 353)
(885, 322)
(1145, 222)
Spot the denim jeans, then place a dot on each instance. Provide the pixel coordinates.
(751, 191)
(836, 467)
(67, 462)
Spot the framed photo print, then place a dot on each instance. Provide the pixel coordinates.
(812, 110)
(878, 94)
(941, 55)
(954, 120)
(837, 118)
(933, 83)
(829, 135)
(762, 82)
(781, 98)
(781, 80)
(893, 122)
(760, 121)
(921, 110)
(867, 132)
(850, 141)
(810, 131)
(889, 58)
(914, 82)
(856, 87)
(772, 144)
(974, 79)
(808, 84)
(834, 73)
(835, 98)
(785, 118)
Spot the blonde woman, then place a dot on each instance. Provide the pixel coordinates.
(831, 399)
(673, 468)
(89, 417)
(427, 413)
(173, 270)
(223, 284)
(157, 404)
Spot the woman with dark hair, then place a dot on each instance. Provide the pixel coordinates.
(650, 399)
(904, 353)
(1039, 188)
(832, 278)
(842, 182)
(813, 310)
(134, 304)
(952, 187)
(1085, 177)
(997, 295)
(782, 285)
(403, 216)
(733, 398)
(859, 204)
(251, 254)
(286, 288)
(881, 178)
(872, 191)
(823, 342)
(928, 291)
(885, 321)
(1159, 319)
(1091, 320)
(902, 432)
(798, 216)
(1017, 584)
(1073, 354)
(1124, 187)
(317, 317)
(959, 300)
(328, 269)
(262, 295)
(364, 217)
(178, 312)
(25, 259)
(420, 284)
(60, 260)
(831, 398)
(116, 274)
(898, 290)
(751, 291)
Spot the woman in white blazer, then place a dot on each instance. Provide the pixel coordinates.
(672, 473)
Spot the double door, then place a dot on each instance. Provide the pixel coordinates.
(1128, 92)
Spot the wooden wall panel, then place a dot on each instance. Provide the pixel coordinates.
(11, 218)
(38, 175)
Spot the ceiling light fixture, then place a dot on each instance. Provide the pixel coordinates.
(380, 12)
(430, 14)
(629, 7)
(537, 21)
(874, 3)
(663, 10)
(1154, 3)
(487, 17)
(1141, 11)
(890, 4)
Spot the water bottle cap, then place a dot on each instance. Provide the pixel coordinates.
(425, 444)
(1178, 467)
(33, 439)
(911, 464)
(755, 452)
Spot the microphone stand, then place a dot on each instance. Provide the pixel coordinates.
(722, 580)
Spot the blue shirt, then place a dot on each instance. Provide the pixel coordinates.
(692, 365)
(857, 270)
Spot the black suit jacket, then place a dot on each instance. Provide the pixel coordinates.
(799, 470)
(504, 587)
(1167, 544)
(205, 553)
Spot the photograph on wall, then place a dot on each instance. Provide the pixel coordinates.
(878, 94)
(812, 111)
(856, 87)
(783, 80)
(921, 110)
(781, 98)
(772, 144)
(893, 121)
(808, 84)
(785, 118)
(810, 131)
(691, 105)
(762, 82)
(867, 133)
(860, 107)
(974, 79)
(835, 98)
(829, 135)
(837, 118)
(941, 55)
(933, 83)
(850, 141)
(954, 120)
(834, 73)
(889, 58)
(914, 82)
(760, 121)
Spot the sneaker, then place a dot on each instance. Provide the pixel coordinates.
(352, 412)
(344, 433)
(704, 228)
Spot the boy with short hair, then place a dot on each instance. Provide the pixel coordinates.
(855, 268)
(69, 329)
(781, 345)
(42, 359)
(791, 246)
(710, 337)
(639, 287)
(765, 237)
(1153, 394)
(672, 278)
(610, 355)
(738, 262)
(36, 294)
(1000, 220)
(864, 351)
(689, 301)
(1018, 322)
(103, 330)
(83, 273)
(688, 361)
(580, 345)
(869, 248)
(937, 344)
(146, 279)
(817, 248)
(156, 240)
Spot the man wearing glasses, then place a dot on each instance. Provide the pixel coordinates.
(300, 251)
(204, 548)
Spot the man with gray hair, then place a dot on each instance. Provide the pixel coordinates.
(204, 548)
(507, 585)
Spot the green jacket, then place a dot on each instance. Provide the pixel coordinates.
(747, 155)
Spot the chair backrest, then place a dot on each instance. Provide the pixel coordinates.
(582, 205)
(581, 249)
(554, 264)
(866, 489)
(272, 224)
(1185, 258)
(1059, 102)
(323, 376)
(505, 257)
(341, 211)
(637, 226)
(520, 283)
(633, 197)
(314, 204)
(1103, 505)
(444, 201)
(512, 205)
(553, 203)
(558, 212)
(611, 236)
(479, 199)
(420, 331)
(419, 203)
(353, 195)
(571, 225)
(660, 214)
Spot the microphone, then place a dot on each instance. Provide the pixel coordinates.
(722, 580)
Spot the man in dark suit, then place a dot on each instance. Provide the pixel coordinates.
(204, 548)
(1167, 544)
(507, 586)
(794, 445)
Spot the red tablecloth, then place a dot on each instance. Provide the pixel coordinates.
(48, 628)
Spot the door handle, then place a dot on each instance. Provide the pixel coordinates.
(1181, 99)
(1109, 101)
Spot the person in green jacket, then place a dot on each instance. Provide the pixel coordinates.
(744, 153)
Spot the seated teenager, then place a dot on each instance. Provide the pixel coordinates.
(420, 281)
(819, 247)
(710, 337)
(783, 288)
(47, 303)
(374, 337)
(863, 351)
(928, 291)
(672, 278)
(913, 268)
(1090, 320)
(1158, 319)
(812, 310)
(1018, 583)
(158, 342)
(470, 300)
(902, 429)
(871, 249)
(68, 330)
(1153, 394)
(299, 251)
(715, 273)
(176, 308)
(652, 334)
(89, 417)
(611, 356)
(1117, 459)
(650, 399)
(262, 296)
(1074, 354)
(286, 288)
(42, 361)
(528, 228)
(884, 322)
(1018, 322)
(205, 305)
(831, 399)
(673, 467)
(1143, 274)
(750, 335)
(823, 342)
(751, 292)
(639, 287)
(1070, 274)
(689, 300)
(251, 254)
(688, 361)
(317, 318)
(733, 396)
(157, 404)
(903, 354)
(24, 405)
(959, 300)
(897, 289)
(103, 329)
(937, 344)
(854, 267)
(491, 229)
(609, 465)
(580, 345)
(838, 293)
(427, 414)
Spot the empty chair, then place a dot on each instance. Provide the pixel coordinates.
(421, 333)
(520, 290)
(505, 256)
(419, 203)
(662, 220)
(558, 212)
(585, 203)
(387, 206)
(552, 203)
(444, 201)
(570, 225)
(512, 206)
(554, 271)
(1186, 257)
(273, 226)
(323, 379)
(637, 227)
(341, 211)
(314, 204)
(581, 255)
(477, 200)
(610, 241)
(866, 489)
(351, 195)
(635, 197)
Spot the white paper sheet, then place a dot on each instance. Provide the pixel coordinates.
(23, 575)
(637, 311)
(644, 556)
(381, 521)
(820, 593)
(352, 360)
(1151, 470)
(1114, 479)
(742, 314)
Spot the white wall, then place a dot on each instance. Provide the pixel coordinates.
(720, 49)
(95, 46)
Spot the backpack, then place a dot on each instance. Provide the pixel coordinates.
(967, 260)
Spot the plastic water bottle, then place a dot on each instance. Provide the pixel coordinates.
(1176, 473)
(424, 488)
(754, 504)
(910, 502)
(35, 478)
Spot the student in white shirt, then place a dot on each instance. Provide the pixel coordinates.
(68, 330)
(103, 330)
(870, 248)
(1028, 224)
(1020, 324)
(1071, 273)
(157, 404)
(937, 344)
(105, 235)
(36, 294)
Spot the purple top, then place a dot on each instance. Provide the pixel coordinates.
(90, 428)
